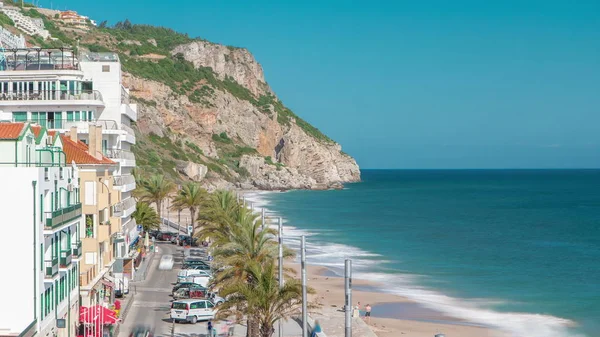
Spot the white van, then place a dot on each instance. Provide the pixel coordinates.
(192, 310)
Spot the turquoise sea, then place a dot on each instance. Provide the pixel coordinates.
(513, 249)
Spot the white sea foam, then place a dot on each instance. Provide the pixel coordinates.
(332, 256)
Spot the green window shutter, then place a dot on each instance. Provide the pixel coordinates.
(20, 116)
(70, 116)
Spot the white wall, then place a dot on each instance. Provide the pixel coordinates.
(16, 207)
(109, 84)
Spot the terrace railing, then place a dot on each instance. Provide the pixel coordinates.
(52, 95)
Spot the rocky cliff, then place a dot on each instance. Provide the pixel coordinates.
(278, 153)
(206, 113)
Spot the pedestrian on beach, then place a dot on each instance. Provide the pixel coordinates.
(356, 312)
(316, 329)
(368, 313)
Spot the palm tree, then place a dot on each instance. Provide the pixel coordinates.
(239, 242)
(146, 216)
(263, 299)
(220, 212)
(190, 196)
(154, 190)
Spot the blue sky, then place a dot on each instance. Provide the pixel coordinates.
(422, 84)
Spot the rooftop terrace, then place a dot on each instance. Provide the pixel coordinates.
(38, 59)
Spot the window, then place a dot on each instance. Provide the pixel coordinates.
(20, 116)
(105, 68)
(46, 174)
(209, 304)
(70, 116)
(201, 305)
(61, 174)
(179, 305)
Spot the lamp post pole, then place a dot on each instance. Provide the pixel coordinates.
(348, 291)
(304, 296)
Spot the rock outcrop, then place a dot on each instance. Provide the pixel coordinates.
(286, 155)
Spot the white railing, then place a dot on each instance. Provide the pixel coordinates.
(127, 129)
(124, 180)
(120, 154)
(123, 205)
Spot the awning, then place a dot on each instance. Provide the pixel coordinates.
(107, 283)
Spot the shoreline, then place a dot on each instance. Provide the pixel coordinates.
(392, 315)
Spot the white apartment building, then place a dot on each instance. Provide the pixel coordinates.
(58, 90)
(31, 26)
(42, 216)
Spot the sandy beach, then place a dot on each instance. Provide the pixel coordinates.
(392, 315)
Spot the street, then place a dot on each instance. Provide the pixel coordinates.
(152, 302)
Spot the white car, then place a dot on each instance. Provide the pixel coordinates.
(166, 262)
(186, 273)
(192, 310)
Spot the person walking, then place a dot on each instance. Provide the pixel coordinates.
(368, 313)
(210, 328)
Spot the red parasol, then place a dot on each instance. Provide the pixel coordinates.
(97, 314)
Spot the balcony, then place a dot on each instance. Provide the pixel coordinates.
(124, 183)
(44, 97)
(65, 258)
(129, 110)
(76, 250)
(124, 208)
(104, 231)
(129, 135)
(62, 216)
(51, 267)
(126, 158)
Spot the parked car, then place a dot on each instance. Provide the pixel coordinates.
(166, 262)
(196, 267)
(202, 280)
(189, 241)
(188, 285)
(192, 310)
(216, 299)
(187, 273)
(153, 233)
(164, 236)
(182, 293)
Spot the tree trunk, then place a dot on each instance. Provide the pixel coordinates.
(158, 204)
(193, 215)
(253, 329)
(266, 330)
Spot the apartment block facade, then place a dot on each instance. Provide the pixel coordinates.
(58, 91)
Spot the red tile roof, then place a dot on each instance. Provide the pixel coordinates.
(36, 129)
(52, 133)
(78, 152)
(11, 130)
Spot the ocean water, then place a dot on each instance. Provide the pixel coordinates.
(517, 250)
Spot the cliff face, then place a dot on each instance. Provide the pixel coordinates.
(236, 63)
(285, 156)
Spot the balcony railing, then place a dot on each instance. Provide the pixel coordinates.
(77, 250)
(128, 129)
(51, 267)
(124, 95)
(40, 59)
(98, 57)
(65, 258)
(123, 205)
(59, 217)
(120, 154)
(52, 95)
(124, 180)
(68, 123)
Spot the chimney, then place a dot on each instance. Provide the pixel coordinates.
(95, 146)
(73, 134)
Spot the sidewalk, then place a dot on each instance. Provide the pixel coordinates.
(129, 298)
